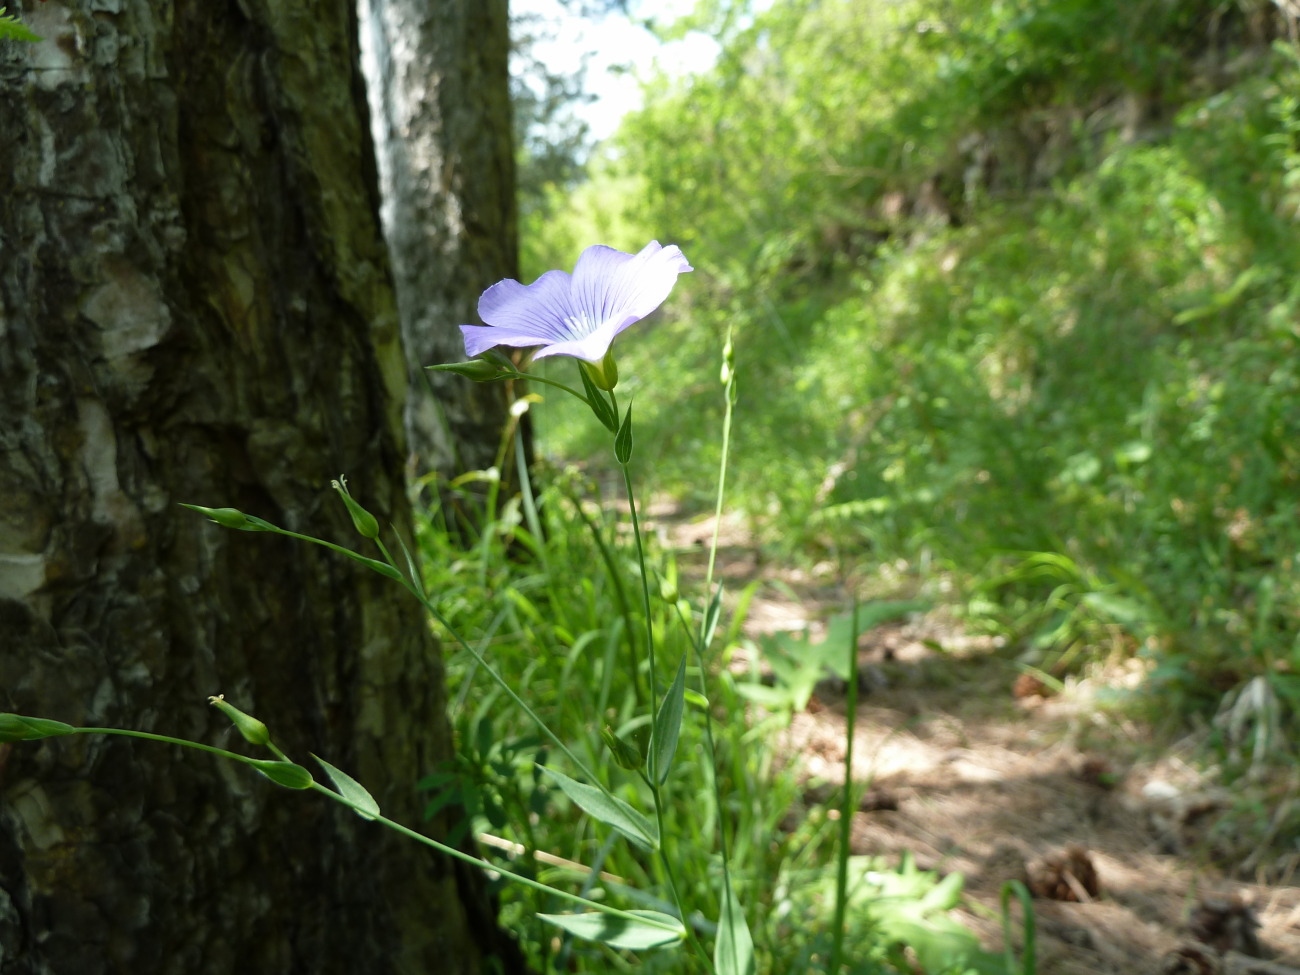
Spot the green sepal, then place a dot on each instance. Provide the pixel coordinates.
(623, 439)
(363, 803)
(668, 724)
(597, 401)
(608, 809)
(287, 774)
(19, 727)
(626, 754)
(619, 932)
(604, 374)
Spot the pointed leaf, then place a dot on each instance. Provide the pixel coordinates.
(618, 932)
(711, 617)
(608, 809)
(598, 403)
(623, 439)
(350, 789)
(287, 774)
(668, 724)
(733, 952)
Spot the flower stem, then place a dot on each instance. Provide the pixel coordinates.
(395, 826)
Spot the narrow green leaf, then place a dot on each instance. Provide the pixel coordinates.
(623, 439)
(619, 932)
(287, 774)
(733, 952)
(598, 403)
(349, 788)
(18, 727)
(668, 724)
(711, 617)
(383, 568)
(608, 809)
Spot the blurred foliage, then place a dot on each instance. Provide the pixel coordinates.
(1014, 296)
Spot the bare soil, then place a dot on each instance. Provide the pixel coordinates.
(972, 767)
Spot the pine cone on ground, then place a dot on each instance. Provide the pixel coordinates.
(1225, 923)
(1068, 875)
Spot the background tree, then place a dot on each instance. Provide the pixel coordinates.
(440, 92)
(195, 305)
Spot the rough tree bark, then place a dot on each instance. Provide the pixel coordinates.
(438, 73)
(195, 305)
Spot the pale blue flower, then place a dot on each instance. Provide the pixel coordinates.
(579, 314)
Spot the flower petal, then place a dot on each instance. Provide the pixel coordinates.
(610, 287)
(540, 311)
(579, 315)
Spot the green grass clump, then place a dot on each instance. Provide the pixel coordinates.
(545, 585)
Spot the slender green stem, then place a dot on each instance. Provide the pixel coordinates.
(484, 865)
(672, 879)
(620, 594)
(533, 377)
(168, 739)
(846, 805)
(652, 778)
(729, 397)
(395, 826)
(417, 590)
(645, 602)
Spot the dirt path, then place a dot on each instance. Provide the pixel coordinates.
(972, 768)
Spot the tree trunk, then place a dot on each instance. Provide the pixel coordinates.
(439, 85)
(195, 305)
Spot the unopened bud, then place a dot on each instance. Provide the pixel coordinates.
(254, 731)
(366, 524)
(19, 727)
(229, 518)
(479, 370)
(626, 754)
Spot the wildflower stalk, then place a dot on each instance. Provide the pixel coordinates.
(728, 377)
(846, 809)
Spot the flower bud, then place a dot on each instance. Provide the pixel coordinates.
(254, 731)
(366, 524)
(229, 517)
(626, 755)
(479, 370)
(19, 727)
(287, 774)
